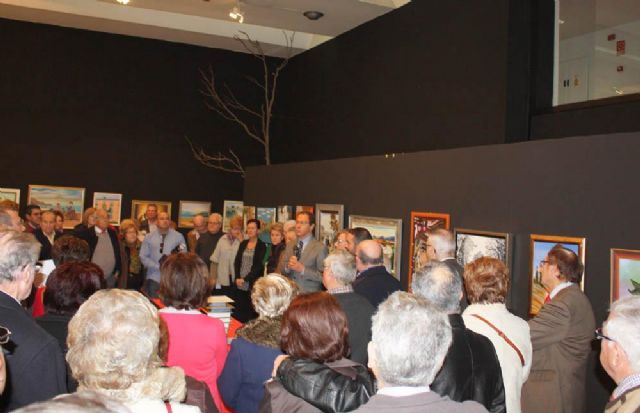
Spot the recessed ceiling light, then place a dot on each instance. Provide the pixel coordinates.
(123, 1)
(313, 14)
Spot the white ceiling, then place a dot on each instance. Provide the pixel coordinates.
(206, 22)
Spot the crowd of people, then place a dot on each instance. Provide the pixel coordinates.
(120, 324)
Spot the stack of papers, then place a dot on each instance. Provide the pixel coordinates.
(219, 306)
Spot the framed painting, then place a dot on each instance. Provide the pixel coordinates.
(387, 232)
(189, 209)
(68, 200)
(248, 212)
(267, 217)
(472, 244)
(540, 245)
(139, 208)
(421, 224)
(285, 213)
(110, 202)
(11, 194)
(300, 208)
(230, 210)
(329, 220)
(625, 273)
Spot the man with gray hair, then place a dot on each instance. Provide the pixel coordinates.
(410, 341)
(35, 365)
(9, 219)
(441, 246)
(620, 353)
(199, 228)
(471, 370)
(339, 273)
(207, 242)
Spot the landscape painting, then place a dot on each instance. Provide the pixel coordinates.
(68, 200)
(387, 232)
(625, 273)
(110, 202)
(189, 209)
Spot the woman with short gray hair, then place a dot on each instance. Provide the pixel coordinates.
(250, 360)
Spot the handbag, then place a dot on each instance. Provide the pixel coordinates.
(503, 335)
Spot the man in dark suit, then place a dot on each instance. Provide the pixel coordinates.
(339, 273)
(373, 281)
(104, 247)
(207, 242)
(441, 246)
(46, 234)
(32, 217)
(303, 258)
(471, 370)
(35, 366)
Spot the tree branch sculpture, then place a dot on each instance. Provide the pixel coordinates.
(255, 122)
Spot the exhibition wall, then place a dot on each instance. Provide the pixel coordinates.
(110, 113)
(580, 187)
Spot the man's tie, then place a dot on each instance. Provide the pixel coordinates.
(547, 299)
(298, 251)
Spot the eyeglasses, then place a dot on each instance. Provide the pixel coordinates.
(600, 336)
(5, 335)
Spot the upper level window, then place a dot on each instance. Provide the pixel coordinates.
(597, 49)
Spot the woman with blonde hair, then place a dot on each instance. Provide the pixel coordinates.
(113, 350)
(250, 360)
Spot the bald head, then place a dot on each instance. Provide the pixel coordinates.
(368, 254)
(199, 224)
(102, 219)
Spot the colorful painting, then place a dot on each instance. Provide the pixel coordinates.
(387, 232)
(539, 248)
(472, 244)
(285, 213)
(625, 273)
(231, 209)
(329, 220)
(189, 209)
(421, 224)
(11, 194)
(248, 212)
(110, 202)
(139, 208)
(266, 216)
(68, 200)
(306, 208)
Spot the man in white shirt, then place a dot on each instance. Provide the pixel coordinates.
(46, 234)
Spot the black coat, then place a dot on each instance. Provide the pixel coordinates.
(45, 251)
(376, 284)
(243, 309)
(36, 369)
(91, 237)
(471, 370)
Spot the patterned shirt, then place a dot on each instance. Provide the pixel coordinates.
(341, 290)
(628, 383)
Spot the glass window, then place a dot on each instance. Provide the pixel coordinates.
(597, 49)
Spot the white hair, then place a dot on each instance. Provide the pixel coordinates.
(623, 326)
(342, 265)
(443, 243)
(272, 294)
(17, 249)
(410, 340)
(439, 285)
(79, 402)
(216, 215)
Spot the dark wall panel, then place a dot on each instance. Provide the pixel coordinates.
(572, 187)
(110, 113)
(420, 77)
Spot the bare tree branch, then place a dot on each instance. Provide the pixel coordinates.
(224, 102)
(218, 161)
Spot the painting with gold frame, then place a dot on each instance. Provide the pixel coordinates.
(139, 208)
(625, 273)
(421, 223)
(66, 199)
(189, 209)
(110, 202)
(540, 245)
(11, 194)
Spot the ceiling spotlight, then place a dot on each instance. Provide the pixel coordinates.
(237, 14)
(313, 14)
(123, 1)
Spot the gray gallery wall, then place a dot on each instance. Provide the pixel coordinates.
(581, 186)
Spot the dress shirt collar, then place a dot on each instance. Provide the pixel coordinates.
(626, 384)
(341, 290)
(305, 240)
(98, 230)
(402, 391)
(559, 288)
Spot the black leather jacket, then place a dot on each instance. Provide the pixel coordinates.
(471, 370)
(339, 386)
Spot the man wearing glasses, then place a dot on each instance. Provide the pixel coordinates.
(620, 353)
(35, 365)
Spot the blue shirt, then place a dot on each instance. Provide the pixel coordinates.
(150, 251)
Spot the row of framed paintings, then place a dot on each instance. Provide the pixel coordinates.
(70, 201)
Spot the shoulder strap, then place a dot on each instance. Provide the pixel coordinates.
(501, 334)
(168, 406)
